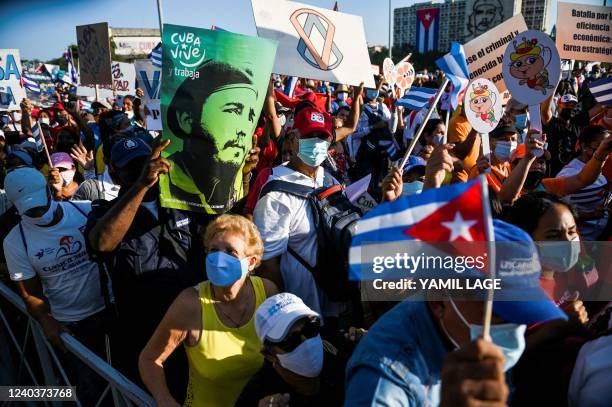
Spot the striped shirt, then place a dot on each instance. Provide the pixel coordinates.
(589, 198)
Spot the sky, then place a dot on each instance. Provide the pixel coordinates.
(43, 28)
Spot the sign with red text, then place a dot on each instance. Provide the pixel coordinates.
(124, 78)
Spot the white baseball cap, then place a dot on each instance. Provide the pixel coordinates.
(276, 315)
(568, 98)
(26, 188)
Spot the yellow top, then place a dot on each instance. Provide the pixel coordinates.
(225, 358)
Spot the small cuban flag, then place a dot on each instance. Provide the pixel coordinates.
(38, 135)
(602, 91)
(454, 66)
(30, 84)
(156, 55)
(417, 98)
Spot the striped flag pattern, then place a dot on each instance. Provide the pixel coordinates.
(156, 55)
(393, 150)
(454, 66)
(72, 74)
(37, 134)
(417, 98)
(602, 91)
(30, 84)
(427, 28)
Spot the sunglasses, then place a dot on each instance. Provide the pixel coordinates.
(311, 329)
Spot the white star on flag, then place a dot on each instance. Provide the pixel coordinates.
(459, 228)
(427, 16)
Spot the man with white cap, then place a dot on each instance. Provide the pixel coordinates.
(47, 259)
(300, 368)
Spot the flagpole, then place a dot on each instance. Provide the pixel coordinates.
(446, 121)
(160, 16)
(42, 138)
(424, 122)
(490, 234)
(390, 21)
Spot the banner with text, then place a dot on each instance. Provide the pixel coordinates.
(94, 54)
(314, 42)
(213, 88)
(484, 54)
(11, 91)
(148, 78)
(124, 78)
(586, 32)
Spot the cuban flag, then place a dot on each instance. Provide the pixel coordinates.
(417, 98)
(37, 134)
(393, 150)
(72, 74)
(30, 84)
(455, 68)
(156, 55)
(455, 213)
(290, 86)
(602, 91)
(427, 28)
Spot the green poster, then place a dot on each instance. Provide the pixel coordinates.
(213, 88)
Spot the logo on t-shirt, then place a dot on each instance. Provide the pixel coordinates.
(68, 246)
(42, 252)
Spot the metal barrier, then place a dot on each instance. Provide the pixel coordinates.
(124, 392)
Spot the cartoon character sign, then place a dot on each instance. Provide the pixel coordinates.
(483, 105)
(531, 67)
(401, 75)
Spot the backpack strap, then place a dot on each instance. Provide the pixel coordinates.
(300, 259)
(277, 185)
(23, 239)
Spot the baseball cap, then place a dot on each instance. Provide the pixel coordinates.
(127, 149)
(414, 162)
(22, 154)
(57, 106)
(518, 267)
(503, 129)
(62, 160)
(26, 188)
(568, 98)
(309, 120)
(276, 315)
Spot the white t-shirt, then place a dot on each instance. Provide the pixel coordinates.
(285, 219)
(590, 381)
(57, 254)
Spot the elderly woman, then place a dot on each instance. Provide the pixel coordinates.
(214, 321)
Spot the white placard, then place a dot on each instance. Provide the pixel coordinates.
(148, 77)
(153, 117)
(483, 105)
(11, 92)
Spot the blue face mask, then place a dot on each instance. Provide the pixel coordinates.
(412, 188)
(521, 121)
(313, 151)
(371, 94)
(510, 338)
(504, 149)
(223, 270)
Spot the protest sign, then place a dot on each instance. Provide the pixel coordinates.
(89, 91)
(148, 77)
(401, 75)
(585, 33)
(94, 54)
(213, 87)
(484, 54)
(483, 105)
(11, 91)
(124, 78)
(315, 42)
(153, 116)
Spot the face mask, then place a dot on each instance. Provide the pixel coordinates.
(559, 256)
(510, 338)
(438, 139)
(129, 114)
(223, 270)
(313, 151)
(43, 220)
(504, 149)
(566, 113)
(412, 188)
(371, 94)
(282, 119)
(342, 96)
(68, 176)
(44, 120)
(533, 179)
(305, 360)
(521, 121)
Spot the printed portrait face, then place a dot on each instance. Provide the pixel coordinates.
(527, 66)
(484, 16)
(233, 110)
(481, 104)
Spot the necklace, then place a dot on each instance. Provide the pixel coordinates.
(236, 324)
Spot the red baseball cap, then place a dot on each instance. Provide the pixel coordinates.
(310, 120)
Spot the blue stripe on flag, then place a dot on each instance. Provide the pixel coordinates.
(156, 55)
(454, 66)
(602, 91)
(30, 84)
(36, 133)
(417, 98)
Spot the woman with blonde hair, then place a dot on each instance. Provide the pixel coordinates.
(214, 321)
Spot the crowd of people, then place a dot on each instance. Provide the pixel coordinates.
(250, 308)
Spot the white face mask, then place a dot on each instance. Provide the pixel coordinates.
(305, 360)
(45, 120)
(129, 114)
(45, 218)
(438, 139)
(67, 176)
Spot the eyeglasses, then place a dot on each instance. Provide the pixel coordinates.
(311, 329)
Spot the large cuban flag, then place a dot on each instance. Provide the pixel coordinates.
(427, 28)
(456, 213)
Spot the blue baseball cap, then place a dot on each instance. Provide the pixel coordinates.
(22, 154)
(414, 162)
(518, 267)
(127, 149)
(26, 188)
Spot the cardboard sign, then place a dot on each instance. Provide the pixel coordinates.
(124, 78)
(583, 32)
(94, 54)
(148, 77)
(11, 91)
(401, 75)
(213, 87)
(484, 55)
(483, 105)
(532, 67)
(153, 117)
(314, 42)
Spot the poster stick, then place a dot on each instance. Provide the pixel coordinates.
(490, 235)
(160, 15)
(486, 149)
(448, 112)
(422, 125)
(44, 142)
(97, 87)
